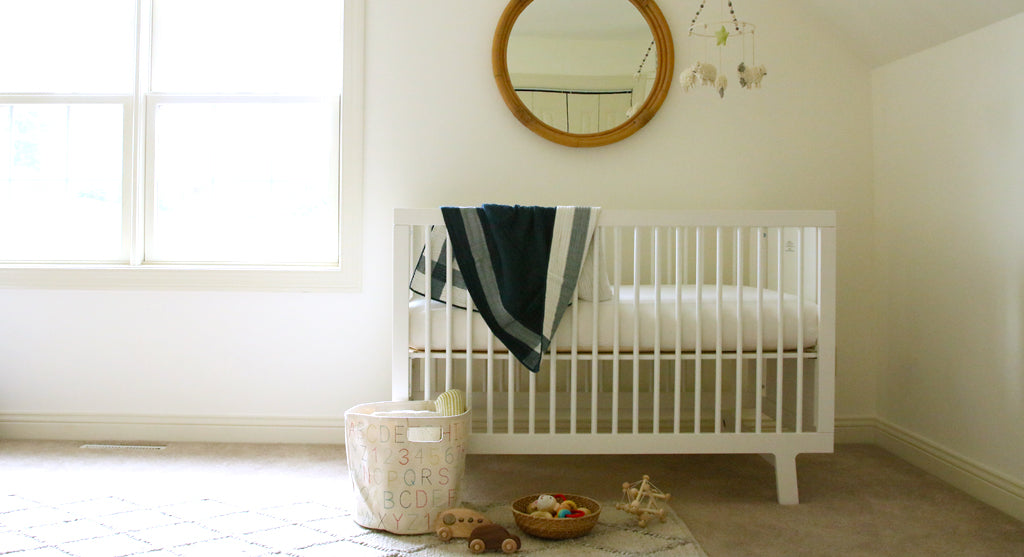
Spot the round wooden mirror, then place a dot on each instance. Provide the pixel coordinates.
(583, 73)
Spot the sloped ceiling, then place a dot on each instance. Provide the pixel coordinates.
(886, 30)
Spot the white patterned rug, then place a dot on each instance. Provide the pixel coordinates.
(53, 525)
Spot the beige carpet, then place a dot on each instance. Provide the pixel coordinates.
(860, 501)
(114, 502)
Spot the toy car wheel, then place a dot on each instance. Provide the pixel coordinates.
(509, 546)
(477, 546)
(445, 533)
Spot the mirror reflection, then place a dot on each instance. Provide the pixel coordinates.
(582, 66)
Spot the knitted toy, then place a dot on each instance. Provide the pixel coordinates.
(451, 403)
(546, 503)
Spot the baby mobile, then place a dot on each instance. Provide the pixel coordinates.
(703, 72)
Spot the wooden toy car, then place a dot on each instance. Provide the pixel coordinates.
(493, 536)
(458, 523)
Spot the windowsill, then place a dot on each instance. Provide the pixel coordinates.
(180, 277)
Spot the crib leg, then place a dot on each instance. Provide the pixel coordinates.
(785, 477)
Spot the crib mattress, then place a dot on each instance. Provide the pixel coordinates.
(645, 311)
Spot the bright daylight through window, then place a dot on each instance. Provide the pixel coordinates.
(192, 133)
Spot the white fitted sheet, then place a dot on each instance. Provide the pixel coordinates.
(647, 311)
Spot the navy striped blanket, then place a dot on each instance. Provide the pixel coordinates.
(519, 264)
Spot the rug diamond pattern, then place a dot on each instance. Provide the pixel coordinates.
(118, 526)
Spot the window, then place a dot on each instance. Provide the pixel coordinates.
(179, 139)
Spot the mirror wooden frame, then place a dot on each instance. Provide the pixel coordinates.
(663, 80)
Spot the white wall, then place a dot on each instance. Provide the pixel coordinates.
(437, 132)
(949, 138)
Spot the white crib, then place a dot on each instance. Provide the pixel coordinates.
(719, 337)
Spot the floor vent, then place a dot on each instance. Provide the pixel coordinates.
(123, 446)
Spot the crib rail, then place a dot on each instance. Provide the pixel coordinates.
(715, 394)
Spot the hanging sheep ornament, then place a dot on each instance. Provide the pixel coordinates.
(720, 84)
(751, 76)
(700, 73)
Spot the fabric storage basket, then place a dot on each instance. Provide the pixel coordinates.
(405, 462)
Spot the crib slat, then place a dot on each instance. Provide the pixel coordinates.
(779, 347)
(595, 251)
(428, 296)
(532, 416)
(739, 329)
(719, 287)
(574, 362)
(469, 352)
(636, 329)
(759, 371)
(573, 394)
(656, 386)
(552, 389)
(449, 370)
(652, 264)
(699, 332)
(800, 330)
(489, 388)
(677, 387)
(511, 367)
(615, 329)
(686, 252)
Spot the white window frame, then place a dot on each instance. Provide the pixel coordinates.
(136, 274)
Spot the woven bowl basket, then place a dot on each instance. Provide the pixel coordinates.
(556, 528)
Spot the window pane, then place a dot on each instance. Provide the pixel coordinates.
(244, 183)
(60, 182)
(240, 46)
(67, 46)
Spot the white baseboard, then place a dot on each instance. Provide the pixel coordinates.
(182, 429)
(235, 429)
(856, 429)
(974, 478)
